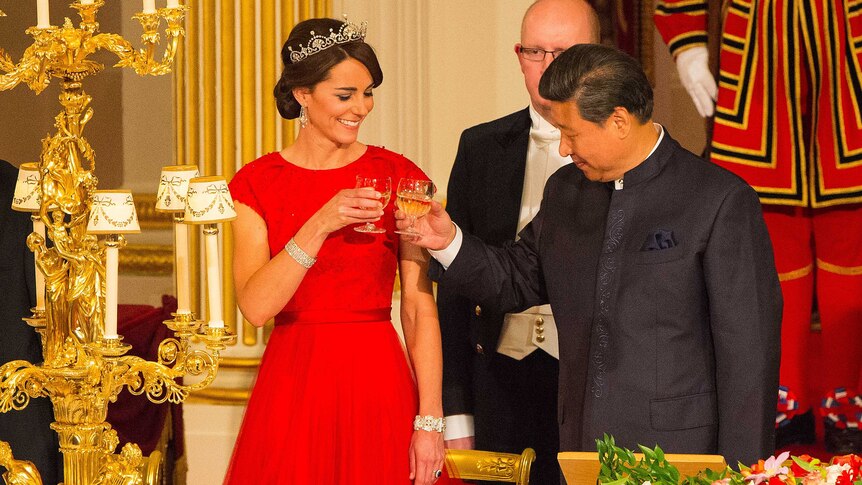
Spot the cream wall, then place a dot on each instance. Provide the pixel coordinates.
(148, 145)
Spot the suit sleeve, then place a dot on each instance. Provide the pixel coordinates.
(453, 308)
(745, 307)
(507, 279)
(681, 23)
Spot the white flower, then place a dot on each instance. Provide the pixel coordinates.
(835, 471)
(773, 466)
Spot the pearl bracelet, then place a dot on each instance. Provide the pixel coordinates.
(299, 255)
(429, 423)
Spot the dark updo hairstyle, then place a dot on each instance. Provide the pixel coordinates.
(306, 73)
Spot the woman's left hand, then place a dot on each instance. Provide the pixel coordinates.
(426, 456)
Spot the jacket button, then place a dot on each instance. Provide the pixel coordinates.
(540, 330)
(478, 311)
(479, 349)
(539, 321)
(540, 338)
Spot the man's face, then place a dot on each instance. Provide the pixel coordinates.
(552, 28)
(595, 149)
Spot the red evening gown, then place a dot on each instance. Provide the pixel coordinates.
(334, 399)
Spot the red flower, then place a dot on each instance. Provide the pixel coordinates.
(846, 478)
(777, 480)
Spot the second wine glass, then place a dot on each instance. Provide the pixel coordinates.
(414, 199)
(383, 185)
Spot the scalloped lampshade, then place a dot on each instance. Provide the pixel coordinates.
(209, 201)
(28, 193)
(173, 186)
(113, 212)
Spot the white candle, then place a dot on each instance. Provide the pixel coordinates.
(43, 19)
(181, 243)
(111, 270)
(213, 281)
(173, 3)
(149, 6)
(39, 228)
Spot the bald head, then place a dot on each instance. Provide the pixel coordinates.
(575, 19)
(553, 26)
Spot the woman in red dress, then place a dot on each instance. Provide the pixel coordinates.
(335, 401)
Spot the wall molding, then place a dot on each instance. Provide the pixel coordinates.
(147, 260)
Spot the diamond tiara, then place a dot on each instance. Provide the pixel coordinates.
(349, 32)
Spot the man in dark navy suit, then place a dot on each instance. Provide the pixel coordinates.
(657, 267)
(500, 370)
(27, 431)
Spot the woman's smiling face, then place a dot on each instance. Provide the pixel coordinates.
(337, 105)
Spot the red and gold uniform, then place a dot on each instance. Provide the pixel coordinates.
(788, 119)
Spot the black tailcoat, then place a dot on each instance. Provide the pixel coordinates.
(513, 402)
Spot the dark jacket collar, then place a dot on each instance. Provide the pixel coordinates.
(653, 164)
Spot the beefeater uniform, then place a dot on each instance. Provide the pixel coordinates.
(787, 120)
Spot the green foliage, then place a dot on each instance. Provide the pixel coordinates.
(620, 466)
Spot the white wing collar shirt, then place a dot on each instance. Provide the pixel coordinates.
(523, 333)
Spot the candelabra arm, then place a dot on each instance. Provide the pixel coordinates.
(119, 46)
(20, 381)
(6, 63)
(143, 61)
(158, 380)
(26, 71)
(33, 67)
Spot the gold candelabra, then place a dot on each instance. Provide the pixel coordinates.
(85, 363)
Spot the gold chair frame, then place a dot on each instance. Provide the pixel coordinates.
(490, 465)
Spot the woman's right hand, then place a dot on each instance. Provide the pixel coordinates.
(349, 206)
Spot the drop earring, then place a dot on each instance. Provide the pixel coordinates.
(303, 117)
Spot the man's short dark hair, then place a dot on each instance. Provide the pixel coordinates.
(598, 79)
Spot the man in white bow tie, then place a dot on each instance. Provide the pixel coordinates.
(500, 370)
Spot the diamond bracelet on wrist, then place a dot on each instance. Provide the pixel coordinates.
(299, 255)
(429, 423)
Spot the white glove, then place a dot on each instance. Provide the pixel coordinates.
(693, 67)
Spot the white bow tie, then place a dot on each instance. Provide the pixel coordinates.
(543, 138)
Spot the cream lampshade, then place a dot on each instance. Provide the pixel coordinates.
(28, 194)
(112, 213)
(173, 185)
(209, 202)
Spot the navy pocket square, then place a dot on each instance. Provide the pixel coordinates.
(660, 239)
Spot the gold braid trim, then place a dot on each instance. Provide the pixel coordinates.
(797, 273)
(842, 270)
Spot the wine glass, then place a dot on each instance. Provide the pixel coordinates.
(414, 199)
(380, 184)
